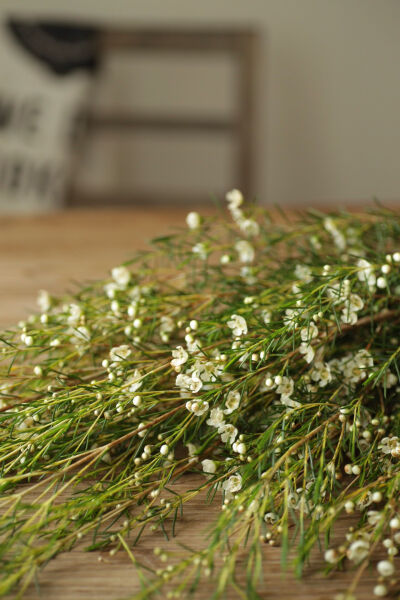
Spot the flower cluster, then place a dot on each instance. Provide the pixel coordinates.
(262, 357)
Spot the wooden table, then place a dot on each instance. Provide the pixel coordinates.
(51, 252)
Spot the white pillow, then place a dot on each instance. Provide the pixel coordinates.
(44, 85)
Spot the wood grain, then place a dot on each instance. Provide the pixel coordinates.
(52, 252)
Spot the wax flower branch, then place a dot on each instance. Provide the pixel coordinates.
(258, 353)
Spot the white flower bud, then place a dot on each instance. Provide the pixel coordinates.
(385, 568)
(164, 450)
(377, 497)
(349, 507)
(241, 448)
(193, 220)
(331, 556)
(380, 590)
(137, 400)
(209, 466)
(381, 283)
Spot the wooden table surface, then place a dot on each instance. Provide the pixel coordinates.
(51, 252)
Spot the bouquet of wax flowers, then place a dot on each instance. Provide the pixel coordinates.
(258, 352)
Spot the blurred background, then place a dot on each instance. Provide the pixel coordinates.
(296, 101)
(153, 108)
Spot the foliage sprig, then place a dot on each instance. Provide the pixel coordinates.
(262, 355)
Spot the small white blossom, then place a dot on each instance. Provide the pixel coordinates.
(266, 316)
(348, 317)
(270, 518)
(209, 466)
(381, 283)
(75, 313)
(331, 556)
(356, 303)
(135, 381)
(390, 445)
(355, 369)
(249, 277)
(309, 333)
(303, 272)
(232, 401)
(366, 272)
(289, 402)
(188, 383)
(110, 289)
(245, 251)
(338, 293)
(164, 450)
(285, 388)
(373, 517)
(290, 318)
(268, 383)
(321, 373)
(120, 353)
(28, 340)
(385, 568)
(358, 550)
(249, 227)
(216, 418)
(228, 433)
(366, 499)
(308, 351)
(338, 237)
(133, 308)
(82, 334)
(121, 276)
(349, 313)
(391, 380)
(394, 523)
(207, 370)
(225, 259)
(380, 590)
(239, 447)
(195, 382)
(38, 371)
(201, 250)
(193, 220)
(44, 300)
(232, 485)
(179, 357)
(234, 198)
(238, 325)
(193, 345)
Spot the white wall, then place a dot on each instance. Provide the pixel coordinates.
(329, 87)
